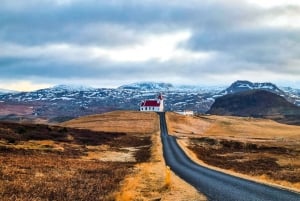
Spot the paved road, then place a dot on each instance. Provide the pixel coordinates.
(215, 185)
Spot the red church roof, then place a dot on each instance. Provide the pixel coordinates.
(151, 103)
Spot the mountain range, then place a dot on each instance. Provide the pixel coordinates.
(65, 102)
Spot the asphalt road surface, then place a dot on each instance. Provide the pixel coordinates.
(215, 185)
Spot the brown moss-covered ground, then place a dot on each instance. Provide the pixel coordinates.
(248, 158)
(42, 162)
(120, 159)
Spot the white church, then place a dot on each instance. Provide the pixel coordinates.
(153, 105)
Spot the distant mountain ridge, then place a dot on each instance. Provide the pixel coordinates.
(70, 101)
(147, 86)
(7, 91)
(257, 103)
(73, 100)
(72, 87)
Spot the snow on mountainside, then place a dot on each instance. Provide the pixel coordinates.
(292, 95)
(147, 86)
(154, 86)
(240, 86)
(71, 88)
(74, 101)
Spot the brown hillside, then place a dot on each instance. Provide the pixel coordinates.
(118, 121)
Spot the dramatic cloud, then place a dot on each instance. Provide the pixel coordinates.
(108, 43)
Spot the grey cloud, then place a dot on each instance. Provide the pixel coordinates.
(263, 46)
(46, 22)
(225, 27)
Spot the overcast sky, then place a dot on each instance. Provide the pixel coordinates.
(110, 43)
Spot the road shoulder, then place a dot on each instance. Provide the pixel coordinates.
(149, 181)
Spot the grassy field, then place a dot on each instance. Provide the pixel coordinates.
(118, 121)
(259, 148)
(121, 159)
(42, 162)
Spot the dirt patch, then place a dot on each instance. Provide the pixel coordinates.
(7, 109)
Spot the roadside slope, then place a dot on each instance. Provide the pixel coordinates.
(233, 144)
(151, 181)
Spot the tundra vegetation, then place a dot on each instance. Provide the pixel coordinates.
(112, 156)
(42, 162)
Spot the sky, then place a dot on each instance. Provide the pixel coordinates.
(102, 43)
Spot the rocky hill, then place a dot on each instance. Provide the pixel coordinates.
(290, 94)
(257, 103)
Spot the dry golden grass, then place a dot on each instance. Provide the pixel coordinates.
(152, 181)
(232, 127)
(42, 162)
(186, 125)
(251, 128)
(167, 177)
(62, 163)
(118, 121)
(38, 176)
(260, 148)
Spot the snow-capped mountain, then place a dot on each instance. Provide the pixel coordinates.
(154, 86)
(71, 88)
(240, 86)
(148, 86)
(290, 94)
